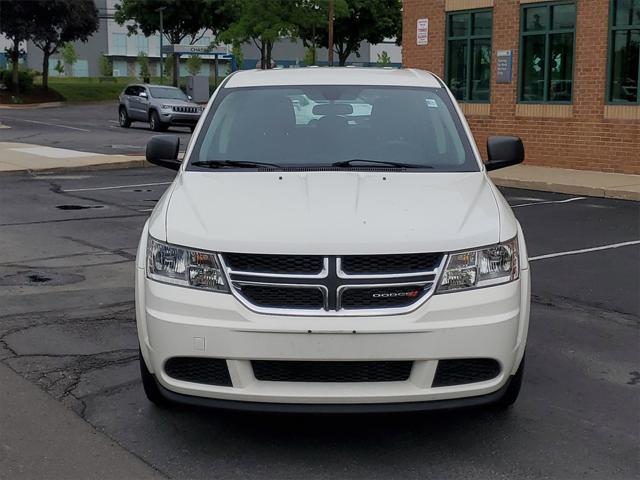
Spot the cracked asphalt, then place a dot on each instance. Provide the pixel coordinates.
(67, 325)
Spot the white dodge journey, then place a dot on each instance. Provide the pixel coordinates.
(332, 243)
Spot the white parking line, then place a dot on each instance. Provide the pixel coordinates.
(566, 200)
(584, 250)
(115, 187)
(54, 125)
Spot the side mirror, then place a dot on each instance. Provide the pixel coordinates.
(189, 97)
(162, 150)
(143, 94)
(504, 152)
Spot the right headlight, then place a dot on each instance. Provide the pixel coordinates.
(481, 268)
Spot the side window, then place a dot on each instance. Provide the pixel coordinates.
(547, 37)
(130, 91)
(624, 52)
(468, 54)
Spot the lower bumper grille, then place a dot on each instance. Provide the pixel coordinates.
(465, 370)
(332, 372)
(381, 297)
(209, 371)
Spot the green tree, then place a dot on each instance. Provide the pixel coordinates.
(355, 21)
(236, 50)
(59, 67)
(261, 22)
(182, 19)
(383, 59)
(194, 63)
(59, 22)
(143, 62)
(69, 55)
(106, 66)
(16, 23)
(309, 56)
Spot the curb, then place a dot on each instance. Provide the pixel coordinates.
(31, 106)
(87, 168)
(616, 193)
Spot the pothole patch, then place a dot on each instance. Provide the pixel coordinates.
(77, 207)
(35, 278)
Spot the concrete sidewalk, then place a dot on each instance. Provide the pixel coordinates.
(18, 157)
(41, 438)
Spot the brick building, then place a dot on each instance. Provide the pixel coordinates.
(562, 75)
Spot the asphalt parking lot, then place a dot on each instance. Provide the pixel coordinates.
(84, 127)
(67, 324)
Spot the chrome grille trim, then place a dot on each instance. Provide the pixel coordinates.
(342, 274)
(235, 280)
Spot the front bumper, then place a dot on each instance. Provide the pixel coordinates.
(484, 323)
(173, 118)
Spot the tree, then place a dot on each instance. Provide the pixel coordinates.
(355, 21)
(143, 62)
(16, 22)
(194, 63)
(181, 19)
(59, 67)
(383, 59)
(236, 50)
(262, 22)
(60, 22)
(69, 56)
(106, 66)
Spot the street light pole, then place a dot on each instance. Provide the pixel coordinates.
(160, 9)
(330, 35)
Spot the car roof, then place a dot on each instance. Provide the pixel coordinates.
(150, 85)
(406, 77)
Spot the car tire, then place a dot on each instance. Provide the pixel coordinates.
(513, 390)
(123, 118)
(155, 124)
(150, 385)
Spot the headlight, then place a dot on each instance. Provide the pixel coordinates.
(182, 266)
(481, 268)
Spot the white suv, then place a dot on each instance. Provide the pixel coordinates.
(332, 243)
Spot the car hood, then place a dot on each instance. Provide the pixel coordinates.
(331, 213)
(178, 103)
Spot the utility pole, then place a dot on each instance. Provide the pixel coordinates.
(160, 9)
(330, 35)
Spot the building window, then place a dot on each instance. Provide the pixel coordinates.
(468, 54)
(546, 52)
(119, 43)
(142, 44)
(624, 41)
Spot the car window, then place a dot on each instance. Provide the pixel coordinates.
(167, 93)
(321, 125)
(130, 91)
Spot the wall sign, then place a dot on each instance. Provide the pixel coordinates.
(422, 31)
(504, 66)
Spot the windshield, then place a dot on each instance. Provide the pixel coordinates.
(320, 126)
(167, 92)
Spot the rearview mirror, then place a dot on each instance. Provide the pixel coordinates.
(504, 152)
(162, 150)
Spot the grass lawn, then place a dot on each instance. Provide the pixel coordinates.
(89, 89)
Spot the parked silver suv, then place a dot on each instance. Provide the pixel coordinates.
(160, 105)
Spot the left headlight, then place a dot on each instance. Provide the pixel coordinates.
(185, 267)
(481, 268)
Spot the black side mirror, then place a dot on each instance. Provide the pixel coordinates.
(504, 152)
(162, 150)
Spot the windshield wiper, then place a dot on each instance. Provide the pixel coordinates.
(232, 163)
(354, 161)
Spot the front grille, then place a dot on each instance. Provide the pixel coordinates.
(276, 264)
(185, 109)
(269, 296)
(465, 370)
(377, 297)
(209, 371)
(332, 372)
(390, 264)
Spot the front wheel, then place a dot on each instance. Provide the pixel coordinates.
(150, 386)
(155, 123)
(123, 118)
(513, 390)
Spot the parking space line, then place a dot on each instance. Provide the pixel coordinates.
(53, 125)
(566, 200)
(114, 187)
(584, 250)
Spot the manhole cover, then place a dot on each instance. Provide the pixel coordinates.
(77, 207)
(48, 278)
